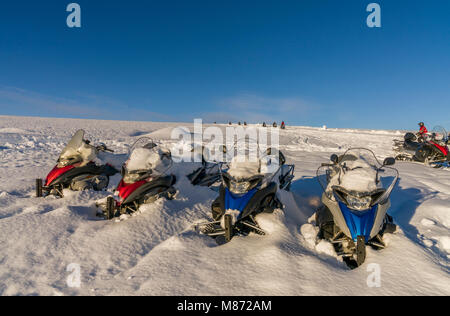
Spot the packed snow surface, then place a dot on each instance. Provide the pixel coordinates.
(157, 251)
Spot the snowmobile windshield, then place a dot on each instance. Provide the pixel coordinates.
(143, 142)
(247, 158)
(249, 166)
(146, 160)
(71, 153)
(357, 178)
(242, 175)
(214, 153)
(440, 134)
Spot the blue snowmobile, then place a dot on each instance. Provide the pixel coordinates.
(356, 198)
(249, 187)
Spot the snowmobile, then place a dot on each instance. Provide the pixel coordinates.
(145, 179)
(356, 198)
(76, 169)
(433, 152)
(209, 173)
(248, 188)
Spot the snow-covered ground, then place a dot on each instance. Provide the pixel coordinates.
(157, 252)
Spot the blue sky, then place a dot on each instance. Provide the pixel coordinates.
(311, 62)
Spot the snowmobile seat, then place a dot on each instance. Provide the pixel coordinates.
(411, 145)
(409, 137)
(282, 159)
(347, 158)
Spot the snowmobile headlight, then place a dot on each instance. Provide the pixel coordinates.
(68, 161)
(136, 175)
(64, 163)
(358, 203)
(131, 177)
(239, 187)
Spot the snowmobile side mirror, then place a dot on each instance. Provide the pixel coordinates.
(334, 158)
(389, 161)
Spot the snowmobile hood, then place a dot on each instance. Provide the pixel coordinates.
(360, 223)
(56, 173)
(238, 202)
(443, 149)
(125, 190)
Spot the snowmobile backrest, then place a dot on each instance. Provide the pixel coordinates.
(344, 158)
(334, 158)
(282, 159)
(389, 161)
(150, 145)
(410, 137)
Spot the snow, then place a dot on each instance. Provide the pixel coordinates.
(148, 159)
(158, 252)
(360, 177)
(242, 168)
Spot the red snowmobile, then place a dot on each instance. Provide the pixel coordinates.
(145, 179)
(76, 169)
(433, 152)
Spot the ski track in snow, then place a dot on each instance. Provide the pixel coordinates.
(157, 252)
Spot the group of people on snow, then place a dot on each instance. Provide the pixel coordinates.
(282, 126)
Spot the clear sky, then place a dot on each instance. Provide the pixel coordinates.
(308, 62)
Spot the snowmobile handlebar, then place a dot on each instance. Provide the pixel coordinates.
(102, 147)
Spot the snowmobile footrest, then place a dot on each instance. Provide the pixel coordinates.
(257, 229)
(228, 227)
(110, 208)
(211, 229)
(360, 250)
(39, 188)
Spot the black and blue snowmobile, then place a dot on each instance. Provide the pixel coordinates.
(249, 187)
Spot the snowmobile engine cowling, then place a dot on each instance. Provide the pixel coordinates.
(56, 173)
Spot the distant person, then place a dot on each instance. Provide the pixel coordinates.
(264, 124)
(423, 132)
(283, 126)
(274, 124)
